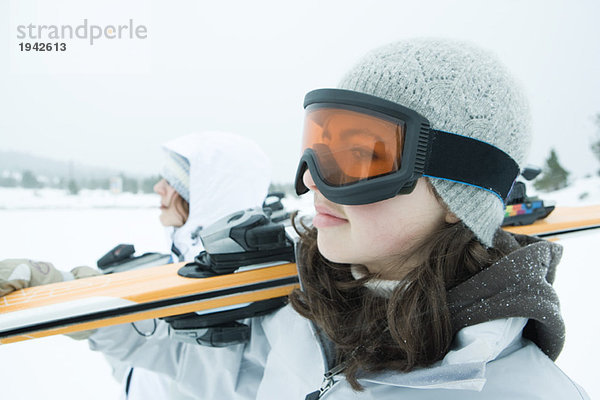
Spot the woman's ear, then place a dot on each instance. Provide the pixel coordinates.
(451, 218)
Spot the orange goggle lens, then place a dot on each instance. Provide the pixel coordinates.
(351, 146)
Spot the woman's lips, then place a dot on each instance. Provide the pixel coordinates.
(326, 217)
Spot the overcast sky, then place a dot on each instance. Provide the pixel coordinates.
(245, 66)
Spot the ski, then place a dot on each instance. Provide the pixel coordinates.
(131, 296)
(530, 215)
(248, 264)
(560, 221)
(248, 260)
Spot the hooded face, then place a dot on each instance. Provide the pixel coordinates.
(170, 215)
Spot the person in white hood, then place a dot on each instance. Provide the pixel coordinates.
(205, 176)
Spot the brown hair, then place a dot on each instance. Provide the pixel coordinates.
(410, 329)
(181, 206)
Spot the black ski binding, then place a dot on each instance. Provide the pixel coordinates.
(521, 209)
(221, 328)
(274, 207)
(121, 258)
(245, 238)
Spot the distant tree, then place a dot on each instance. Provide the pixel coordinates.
(100, 183)
(596, 140)
(8, 181)
(73, 187)
(130, 184)
(63, 183)
(148, 184)
(29, 180)
(554, 176)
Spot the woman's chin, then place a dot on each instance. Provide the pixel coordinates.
(332, 249)
(169, 221)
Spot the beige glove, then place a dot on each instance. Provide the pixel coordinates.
(21, 273)
(84, 272)
(18, 274)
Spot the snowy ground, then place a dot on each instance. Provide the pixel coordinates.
(59, 367)
(19, 198)
(77, 230)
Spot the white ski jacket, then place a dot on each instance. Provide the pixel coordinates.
(228, 173)
(284, 360)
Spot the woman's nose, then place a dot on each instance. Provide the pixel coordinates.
(308, 181)
(158, 187)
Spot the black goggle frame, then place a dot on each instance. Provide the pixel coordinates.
(426, 152)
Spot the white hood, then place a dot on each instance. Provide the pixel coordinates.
(228, 173)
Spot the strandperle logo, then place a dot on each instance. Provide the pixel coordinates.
(86, 31)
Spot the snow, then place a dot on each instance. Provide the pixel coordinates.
(576, 282)
(583, 191)
(19, 198)
(77, 230)
(60, 367)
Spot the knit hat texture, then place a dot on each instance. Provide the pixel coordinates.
(461, 89)
(176, 170)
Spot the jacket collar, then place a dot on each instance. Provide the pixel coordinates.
(464, 366)
(490, 311)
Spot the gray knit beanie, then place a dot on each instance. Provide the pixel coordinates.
(460, 89)
(176, 170)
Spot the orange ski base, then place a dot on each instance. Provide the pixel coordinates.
(159, 288)
(562, 220)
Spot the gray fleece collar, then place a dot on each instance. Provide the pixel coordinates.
(517, 285)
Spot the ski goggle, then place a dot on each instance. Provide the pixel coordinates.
(361, 149)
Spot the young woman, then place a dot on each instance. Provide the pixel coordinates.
(205, 176)
(409, 288)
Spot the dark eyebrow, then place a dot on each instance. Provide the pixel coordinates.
(352, 132)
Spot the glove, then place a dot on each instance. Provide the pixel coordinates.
(21, 273)
(18, 274)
